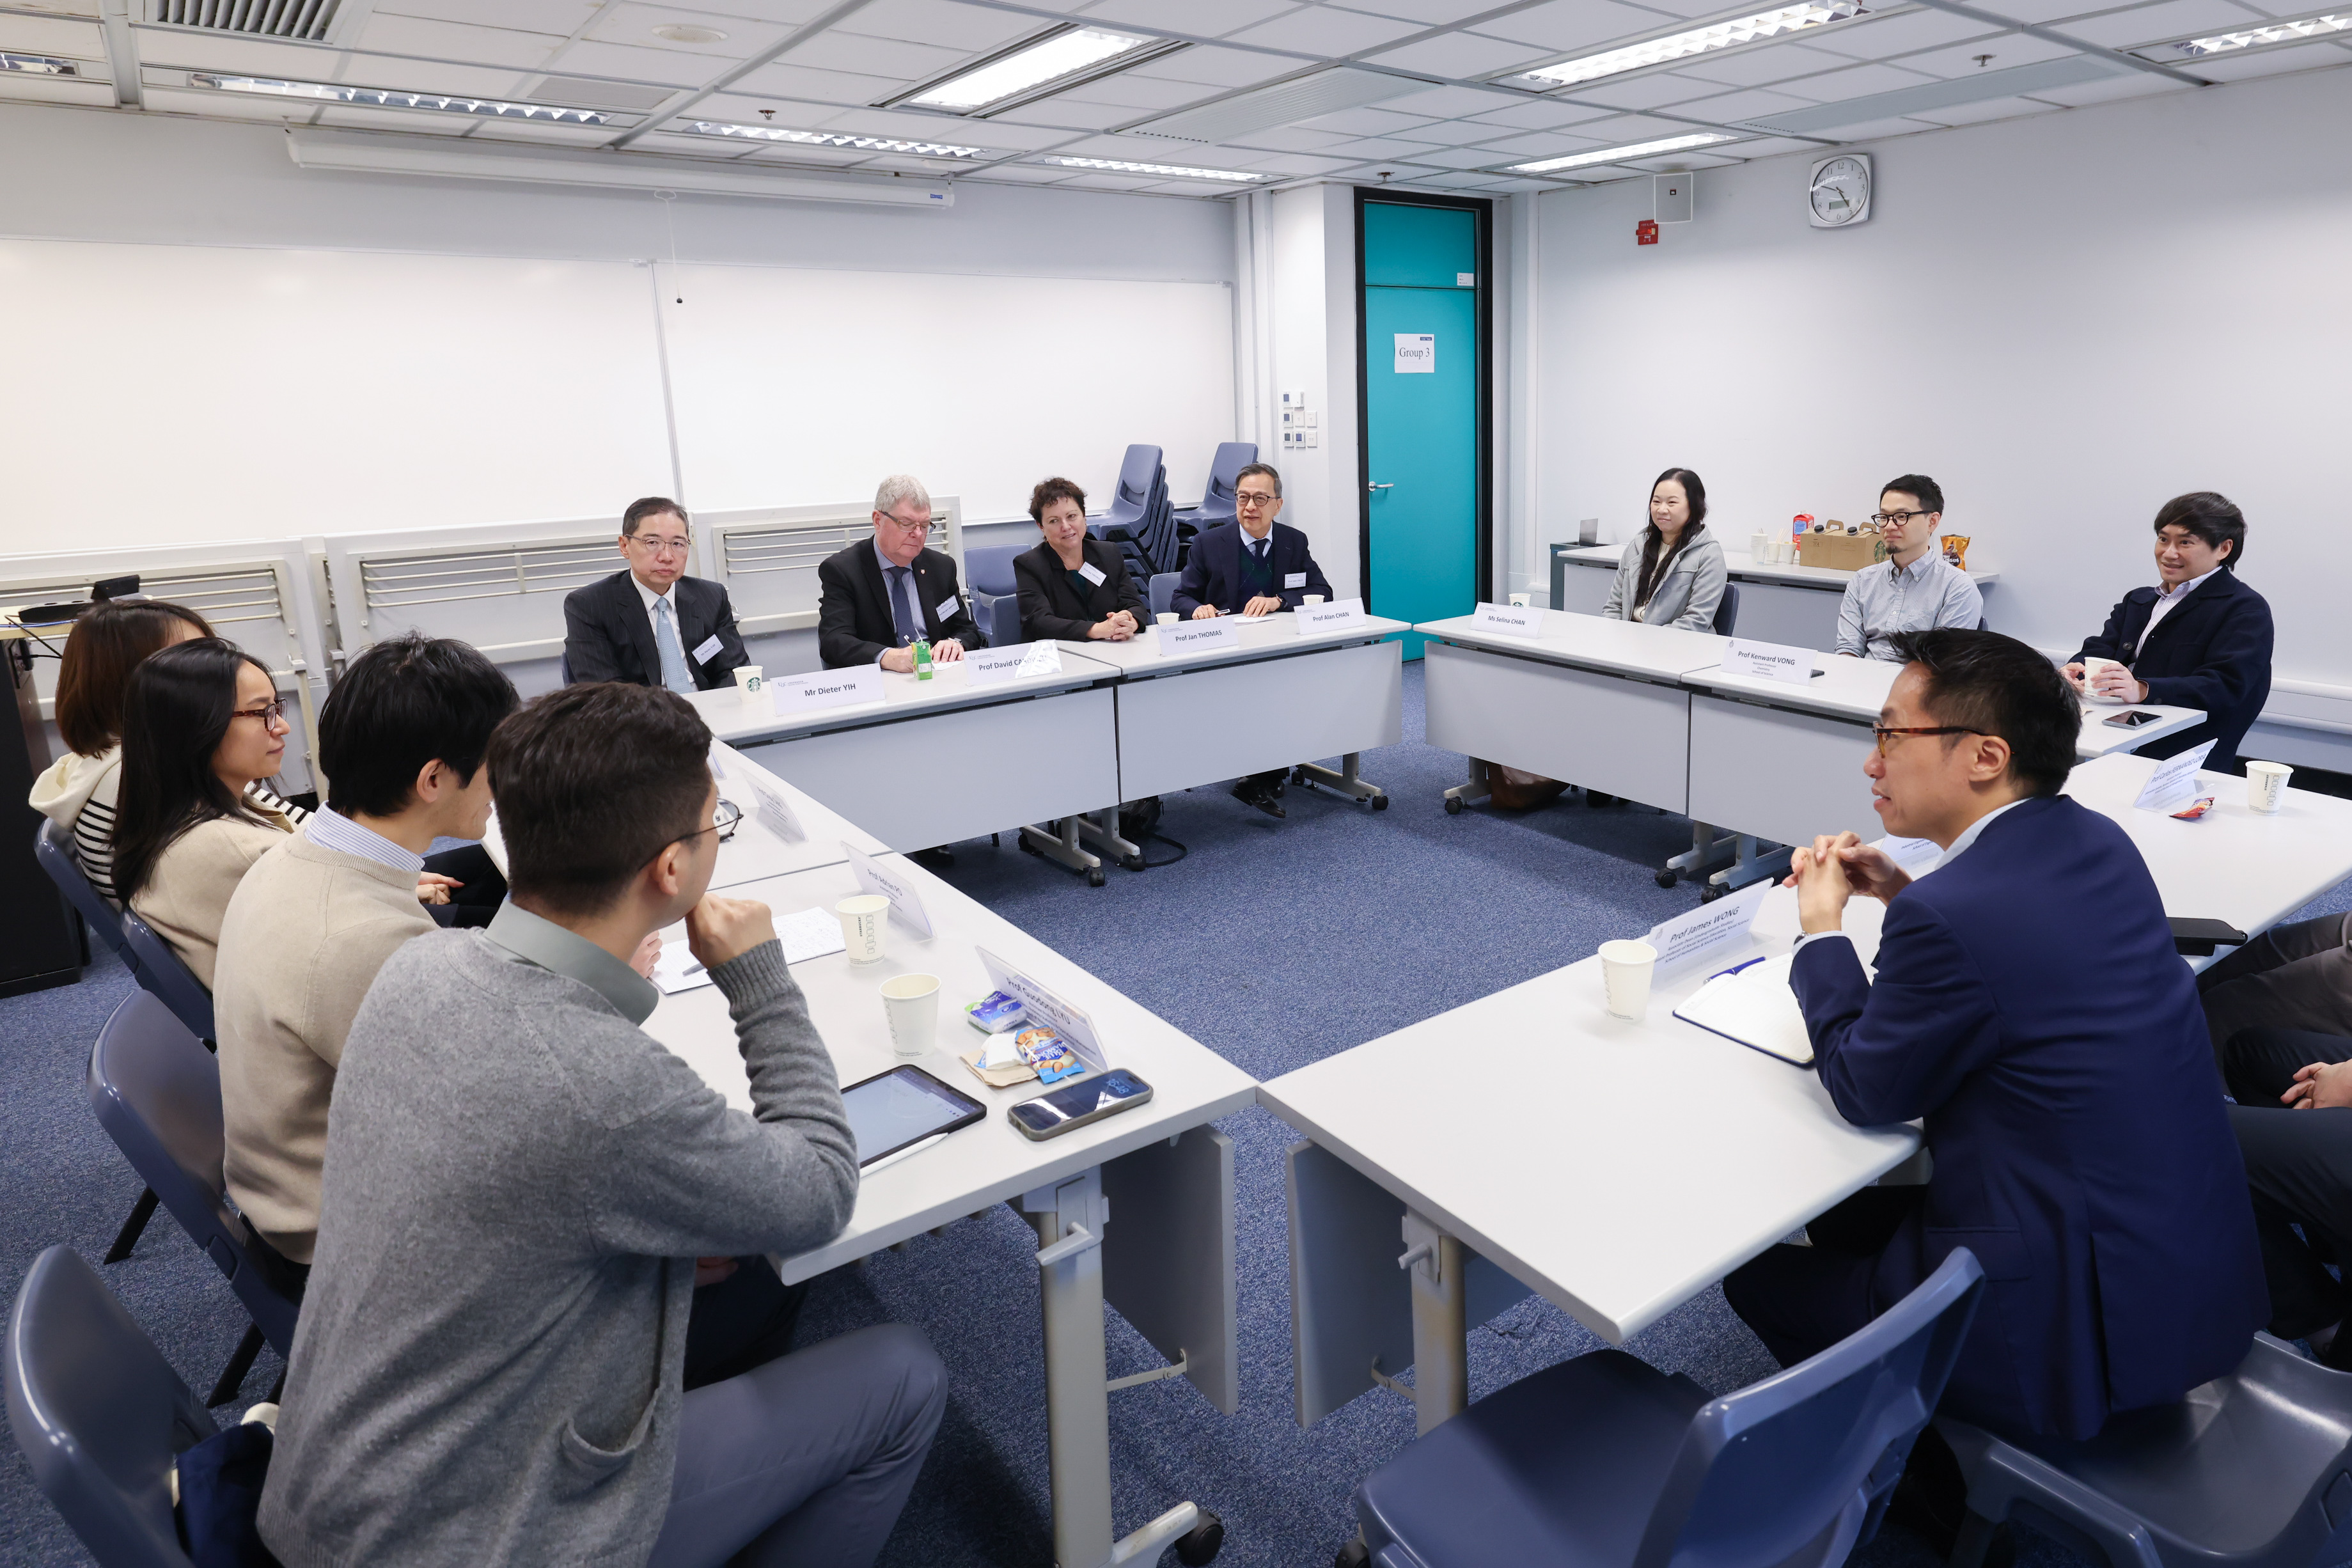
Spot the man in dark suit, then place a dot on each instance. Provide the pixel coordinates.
(2201, 640)
(1252, 565)
(877, 596)
(653, 624)
(2029, 1006)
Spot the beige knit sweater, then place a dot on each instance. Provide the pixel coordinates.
(188, 890)
(304, 936)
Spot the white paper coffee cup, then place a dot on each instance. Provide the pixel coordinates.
(748, 683)
(2092, 665)
(1625, 969)
(2267, 786)
(861, 925)
(1310, 599)
(910, 1003)
(1165, 618)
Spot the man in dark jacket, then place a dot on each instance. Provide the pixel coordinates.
(2029, 1006)
(653, 624)
(2202, 640)
(1252, 565)
(879, 595)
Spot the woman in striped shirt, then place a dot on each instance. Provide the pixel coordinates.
(79, 793)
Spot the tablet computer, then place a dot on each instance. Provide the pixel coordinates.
(900, 1109)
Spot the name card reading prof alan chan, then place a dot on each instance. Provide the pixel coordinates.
(826, 689)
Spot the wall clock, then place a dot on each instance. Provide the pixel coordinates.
(1838, 195)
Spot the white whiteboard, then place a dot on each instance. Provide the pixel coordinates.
(802, 387)
(173, 393)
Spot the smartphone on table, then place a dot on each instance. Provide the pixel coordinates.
(1090, 1099)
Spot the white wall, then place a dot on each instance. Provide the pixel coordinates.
(1312, 320)
(2065, 320)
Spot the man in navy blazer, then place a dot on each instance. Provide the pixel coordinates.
(1252, 565)
(652, 624)
(2201, 640)
(2029, 1006)
(875, 597)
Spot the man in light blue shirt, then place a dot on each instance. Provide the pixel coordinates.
(1914, 588)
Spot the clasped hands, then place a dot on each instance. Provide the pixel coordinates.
(2322, 1085)
(1116, 627)
(1263, 605)
(1831, 869)
(902, 660)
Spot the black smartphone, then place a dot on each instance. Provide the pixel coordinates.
(2131, 720)
(1090, 1099)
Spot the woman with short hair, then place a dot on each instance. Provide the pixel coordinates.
(112, 638)
(1073, 586)
(1673, 572)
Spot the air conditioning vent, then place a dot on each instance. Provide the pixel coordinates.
(1284, 103)
(590, 93)
(312, 21)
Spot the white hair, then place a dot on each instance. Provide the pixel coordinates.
(900, 488)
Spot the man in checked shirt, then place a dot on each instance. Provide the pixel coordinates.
(1915, 587)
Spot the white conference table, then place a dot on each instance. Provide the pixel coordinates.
(1676, 1189)
(1782, 603)
(1167, 1263)
(1279, 697)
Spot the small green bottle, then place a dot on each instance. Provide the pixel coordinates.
(922, 659)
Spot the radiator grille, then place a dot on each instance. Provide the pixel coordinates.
(506, 572)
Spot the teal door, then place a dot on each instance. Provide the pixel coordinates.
(1422, 371)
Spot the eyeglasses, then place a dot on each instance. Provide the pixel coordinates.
(659, 547)
(1256, 498)
(268, 712)
(1888, 733)
(922, 527)
(724, 819)
(1898, 519)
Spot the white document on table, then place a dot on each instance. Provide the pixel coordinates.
(1754, 1006)
(2174, 782)
(804, 934)
(872, 877)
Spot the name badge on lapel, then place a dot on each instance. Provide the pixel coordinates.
(708, 650)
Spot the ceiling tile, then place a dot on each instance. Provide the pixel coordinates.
(1755, 67)
(1458, 133)
(538, 131)
(1652, 91)
(2007, 50)
(1194, 18)
(1453, 102)
(1772, 147)
(1876, 39)
(1458, 157)
(218, 105)
(1872, 130)
(2271, 62)
(2106, 89)
(1379, 147)
(1290, 138)
(561, 17)
(350, 115)
(1138, 149)
(1366, 123)
(968, 28)
(24, 87)
(1067, 112)
(1461, 55)
(1101, 182)
(1213, 66)
(2149, 23)
(425, 76)
(1430, 13)
(1020, 175)
(1749, 103)
(52, 36)
(1520, 149)
(455, 41)
(1320, 30)
(808, 157)
(248, 57)
(1540, 114)
(675, 68)
(873, 57)
(1272, 163)
(1986, 109)
(633, 23)
(1574, 23)
(1855, 82)
(1140, 92)
(904, 124)
(806, 82)
(997, 133)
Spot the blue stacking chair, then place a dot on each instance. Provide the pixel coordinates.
(1606, 1460)
(156, 1092)
(53, 850)
(1216, 506)
(995, 593)
(1138, 504)
(1726, 613)
(99, 1413)
(1162, 590)
(2252, 1471)
(160, 971)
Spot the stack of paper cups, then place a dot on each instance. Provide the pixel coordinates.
(1625, 970)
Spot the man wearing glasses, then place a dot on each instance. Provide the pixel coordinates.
(1915, 587)
(653, 624)
(877, 597)
(2030, 1009)
(1252, 567)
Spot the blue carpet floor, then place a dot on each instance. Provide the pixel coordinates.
(1342, 915)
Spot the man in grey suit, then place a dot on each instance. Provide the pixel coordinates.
(652, 624)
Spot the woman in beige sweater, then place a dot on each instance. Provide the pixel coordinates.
(201, 726)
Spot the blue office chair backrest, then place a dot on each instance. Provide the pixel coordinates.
(156, 1090)
(99, 1413)
(1726, 613)
(1140, 473)
(1162, 590)
(989, 571)
(1804, 1459)
(1225, 474)
(161, 972)
(53, 850)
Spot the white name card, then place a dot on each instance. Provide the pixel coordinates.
(775, 815)
(1769, 662)
(1709, 929)
(1334, 617)
(1200, 636)
(826, 689)
(1511, 620)
(1069, 1022)
(872, 877)
(2174, 782)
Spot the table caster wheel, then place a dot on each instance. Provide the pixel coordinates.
(1453, 808)
(1200, 1543)
(1298, 776)
(1380, 802)
(1095, 877)
(1667, 877)
(1709, 893)
(1133, 862)
(1027, 847)
(1355, 1554)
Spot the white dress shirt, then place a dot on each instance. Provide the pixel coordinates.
(330, 830)
(652, 598)
(1968, 835)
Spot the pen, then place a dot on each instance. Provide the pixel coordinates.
(1737, 967)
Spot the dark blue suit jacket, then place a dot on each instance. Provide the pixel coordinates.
(2213, 650)
(1213, 572)
(2030, 1006)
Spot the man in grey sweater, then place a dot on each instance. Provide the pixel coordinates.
(517, 1183)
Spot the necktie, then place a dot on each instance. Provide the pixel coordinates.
(910, 625)
(1258, 550)
(674, 672)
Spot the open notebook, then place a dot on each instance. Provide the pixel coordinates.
(1753, 1005)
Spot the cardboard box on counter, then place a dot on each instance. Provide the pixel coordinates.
(1840, 550)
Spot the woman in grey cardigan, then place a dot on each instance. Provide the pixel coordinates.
(1672, 574)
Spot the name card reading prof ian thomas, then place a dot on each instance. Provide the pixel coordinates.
(826, 689)
(1198, 636)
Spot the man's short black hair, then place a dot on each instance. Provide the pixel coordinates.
(2212, 517)
(1930, 494)
(400, 705)
(651, 506)
(1996, 685)
(1272, 477)
(593, 781)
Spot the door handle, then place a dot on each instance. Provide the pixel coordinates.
(1369, 486)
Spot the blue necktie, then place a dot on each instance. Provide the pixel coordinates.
(674, 672)
(910, 625)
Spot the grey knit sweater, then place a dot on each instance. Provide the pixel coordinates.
(517, 1181)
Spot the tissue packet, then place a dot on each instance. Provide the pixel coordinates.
(996, 1013)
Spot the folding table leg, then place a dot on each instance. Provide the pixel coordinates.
(1480, 786)
(1063, 849)
(1347, 781)
(1441, 1351)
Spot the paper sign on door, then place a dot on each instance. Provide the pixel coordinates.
(1416, 354)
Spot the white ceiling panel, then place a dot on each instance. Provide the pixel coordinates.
(220, 105)
(388, 34)
(1136, 149)
(1449, 102)
(1070, 114)
(2273, 62)
(1102, 181)
(431, 76)
(1551, 144)
(813, 86)
(1457, 157)
(248, 57)
(1878, 39)
(903, 125)
(65, 7)
(1872, 130)
(52, 36)
(2148, 23)
(969, 28)
(24, 87)
(1458, 133)
(1318, 29)
(1461, 55)
(1267, 162)
(541, 132)
(1430, 13)
(1980, 113)
(561, 17)
(2130, 84)
(808, 157)
(1855, 82)
(1380, 147)
(1761, 67)
(355, 116)
(1574, 23)
(1542, 114)
(873, 57)
(1141, 92)
(1194, 18)
(1748, 103)
(1650, 91)
(1367, 122)
(633, 23)
(1290, 138)
(1216, 67)
(2007, 50)
(672, 68)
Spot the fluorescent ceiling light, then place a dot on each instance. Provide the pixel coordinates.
(830, 139)
(1777, 23)
(2252, 38)
(39, 65)
(385, 98)
(1176, 171)
(1057, 58)
(1622, 154)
